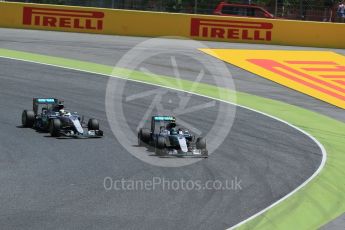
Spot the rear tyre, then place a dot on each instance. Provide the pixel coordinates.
(93, 124)
(54, 127)
(144, 136)
(28, 118)
(140, 142)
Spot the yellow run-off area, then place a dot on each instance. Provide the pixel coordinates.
(320, 74)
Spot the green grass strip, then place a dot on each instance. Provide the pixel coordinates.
(318, 202)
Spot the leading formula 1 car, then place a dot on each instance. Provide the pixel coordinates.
(170, 140)
(48, 114)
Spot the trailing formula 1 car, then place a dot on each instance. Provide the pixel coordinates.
(169, 140)
(49, 115)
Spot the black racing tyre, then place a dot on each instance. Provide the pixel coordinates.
(160, 143)
(93, 124)
(201, 143)
(28, 118)
(145, 135)
(160, 146)
(140, 142)
(54, 127)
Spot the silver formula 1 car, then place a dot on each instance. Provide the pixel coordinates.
(49, 114)
(169, 140)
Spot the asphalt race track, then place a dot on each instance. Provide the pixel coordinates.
(49, 183)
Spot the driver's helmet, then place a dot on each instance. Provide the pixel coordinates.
(173, 131)
(171, 125)
(60, 105)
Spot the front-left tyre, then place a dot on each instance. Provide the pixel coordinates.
(201, 145)
(54, 127)
(160, 146)
(28, 118)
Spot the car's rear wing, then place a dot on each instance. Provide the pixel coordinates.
(45, 101)
(157, 121)
(164, 118)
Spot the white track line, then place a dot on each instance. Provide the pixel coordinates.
(322, 148)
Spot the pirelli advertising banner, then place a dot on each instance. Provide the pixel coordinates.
(152, 24)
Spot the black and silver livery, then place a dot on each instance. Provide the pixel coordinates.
(49, 114)
(169, 140)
